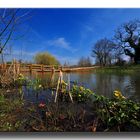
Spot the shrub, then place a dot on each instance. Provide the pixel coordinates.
(46, 59)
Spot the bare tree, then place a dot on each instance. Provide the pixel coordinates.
(102, 51)
(66, 64)
(84, 62)
(117, 55)
(10, 19)
(128, 38)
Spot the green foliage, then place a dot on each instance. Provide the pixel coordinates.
(35, 84)
(117, 111)
(9, 111)
(21, 79)
(46, 59)
(2, 99)
(127, 69)
(80, 94)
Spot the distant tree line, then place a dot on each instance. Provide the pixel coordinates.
(84, 62)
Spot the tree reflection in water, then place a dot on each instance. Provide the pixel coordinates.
(102, 83)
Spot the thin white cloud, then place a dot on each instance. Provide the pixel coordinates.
(88, 28)
(36, 34)
(61, 43)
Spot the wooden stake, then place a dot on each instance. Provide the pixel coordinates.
(14, 70)
(69, 88)
(52, 77)
(58, 84)
(57, 89)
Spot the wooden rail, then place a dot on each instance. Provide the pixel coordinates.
(45, 68)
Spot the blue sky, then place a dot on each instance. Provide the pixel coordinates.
(69, 34)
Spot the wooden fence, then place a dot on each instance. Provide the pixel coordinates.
(32, 67)
(44, 68)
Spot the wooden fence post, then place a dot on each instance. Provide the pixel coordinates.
(30, 67)
(42, 68)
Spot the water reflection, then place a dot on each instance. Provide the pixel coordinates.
(103, 84)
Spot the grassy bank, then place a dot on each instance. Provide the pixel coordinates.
(11, 110)
(119, 69)
(89, 112)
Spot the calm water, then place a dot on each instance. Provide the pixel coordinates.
(101, 83)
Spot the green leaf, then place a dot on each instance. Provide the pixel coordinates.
(122, 115)
(136, 107)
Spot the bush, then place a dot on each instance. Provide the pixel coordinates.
(46, 59)
(118, 112)
(80, 94)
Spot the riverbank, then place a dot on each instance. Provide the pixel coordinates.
(120, 69)
(89, 113)
(80, 69)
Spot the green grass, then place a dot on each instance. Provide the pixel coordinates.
(119, 69)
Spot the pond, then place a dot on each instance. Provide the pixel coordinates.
(100, 83)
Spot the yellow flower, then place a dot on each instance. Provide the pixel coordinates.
(123, 97)
(64, 83)
(118, 94)
(81, 88)
(79, 95)
(40, 86)
(21, 75)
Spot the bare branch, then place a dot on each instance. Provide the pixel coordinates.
(10, 21)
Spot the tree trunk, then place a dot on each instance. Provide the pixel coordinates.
(137, 55)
